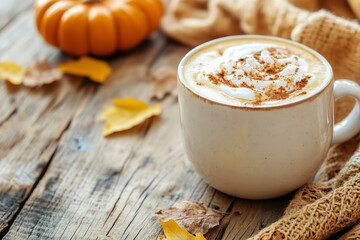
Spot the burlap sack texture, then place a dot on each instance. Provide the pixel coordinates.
(338, 39)
(332, 202)
(328, 205)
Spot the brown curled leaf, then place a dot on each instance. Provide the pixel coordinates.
(163, 80)
(194, 217)
(41, 73)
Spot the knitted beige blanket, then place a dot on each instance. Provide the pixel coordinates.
(332, 202)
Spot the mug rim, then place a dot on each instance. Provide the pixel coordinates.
(310, 97)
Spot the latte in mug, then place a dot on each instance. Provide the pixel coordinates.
(257, 113)
(245, 72)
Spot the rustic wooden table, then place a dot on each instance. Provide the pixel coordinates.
(60, 179)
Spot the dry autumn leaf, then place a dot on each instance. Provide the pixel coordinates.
(96, 70)
(125, 114)
(164, 81)
(174, 232)
(194, 217)
(41, 73)
(11, 72)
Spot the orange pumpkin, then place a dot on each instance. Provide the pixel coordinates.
(98, 27)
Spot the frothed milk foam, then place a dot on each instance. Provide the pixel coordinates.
(245, 72)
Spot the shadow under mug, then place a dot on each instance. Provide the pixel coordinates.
(262, 153)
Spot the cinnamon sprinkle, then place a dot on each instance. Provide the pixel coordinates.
(218, 78)
(220, 51)
(261, 74)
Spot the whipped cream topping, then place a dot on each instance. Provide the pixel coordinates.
(257, 72)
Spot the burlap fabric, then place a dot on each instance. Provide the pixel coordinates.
(327, 205)
(196, 21)
(332, 202)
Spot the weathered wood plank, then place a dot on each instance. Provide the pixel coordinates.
(59, 179)
(32, 120)
(98, 187)
(82, 180)
(11, 9)
(252, 217)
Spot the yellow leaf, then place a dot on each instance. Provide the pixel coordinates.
(174, 232)
(125, 114)
(96, 70)
(11, 72)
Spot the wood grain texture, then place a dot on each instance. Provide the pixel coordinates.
(60, 179)
(11, 9)
(32, 120)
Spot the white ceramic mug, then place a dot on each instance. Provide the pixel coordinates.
(261, 153)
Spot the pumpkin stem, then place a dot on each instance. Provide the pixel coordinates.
(91, 1)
